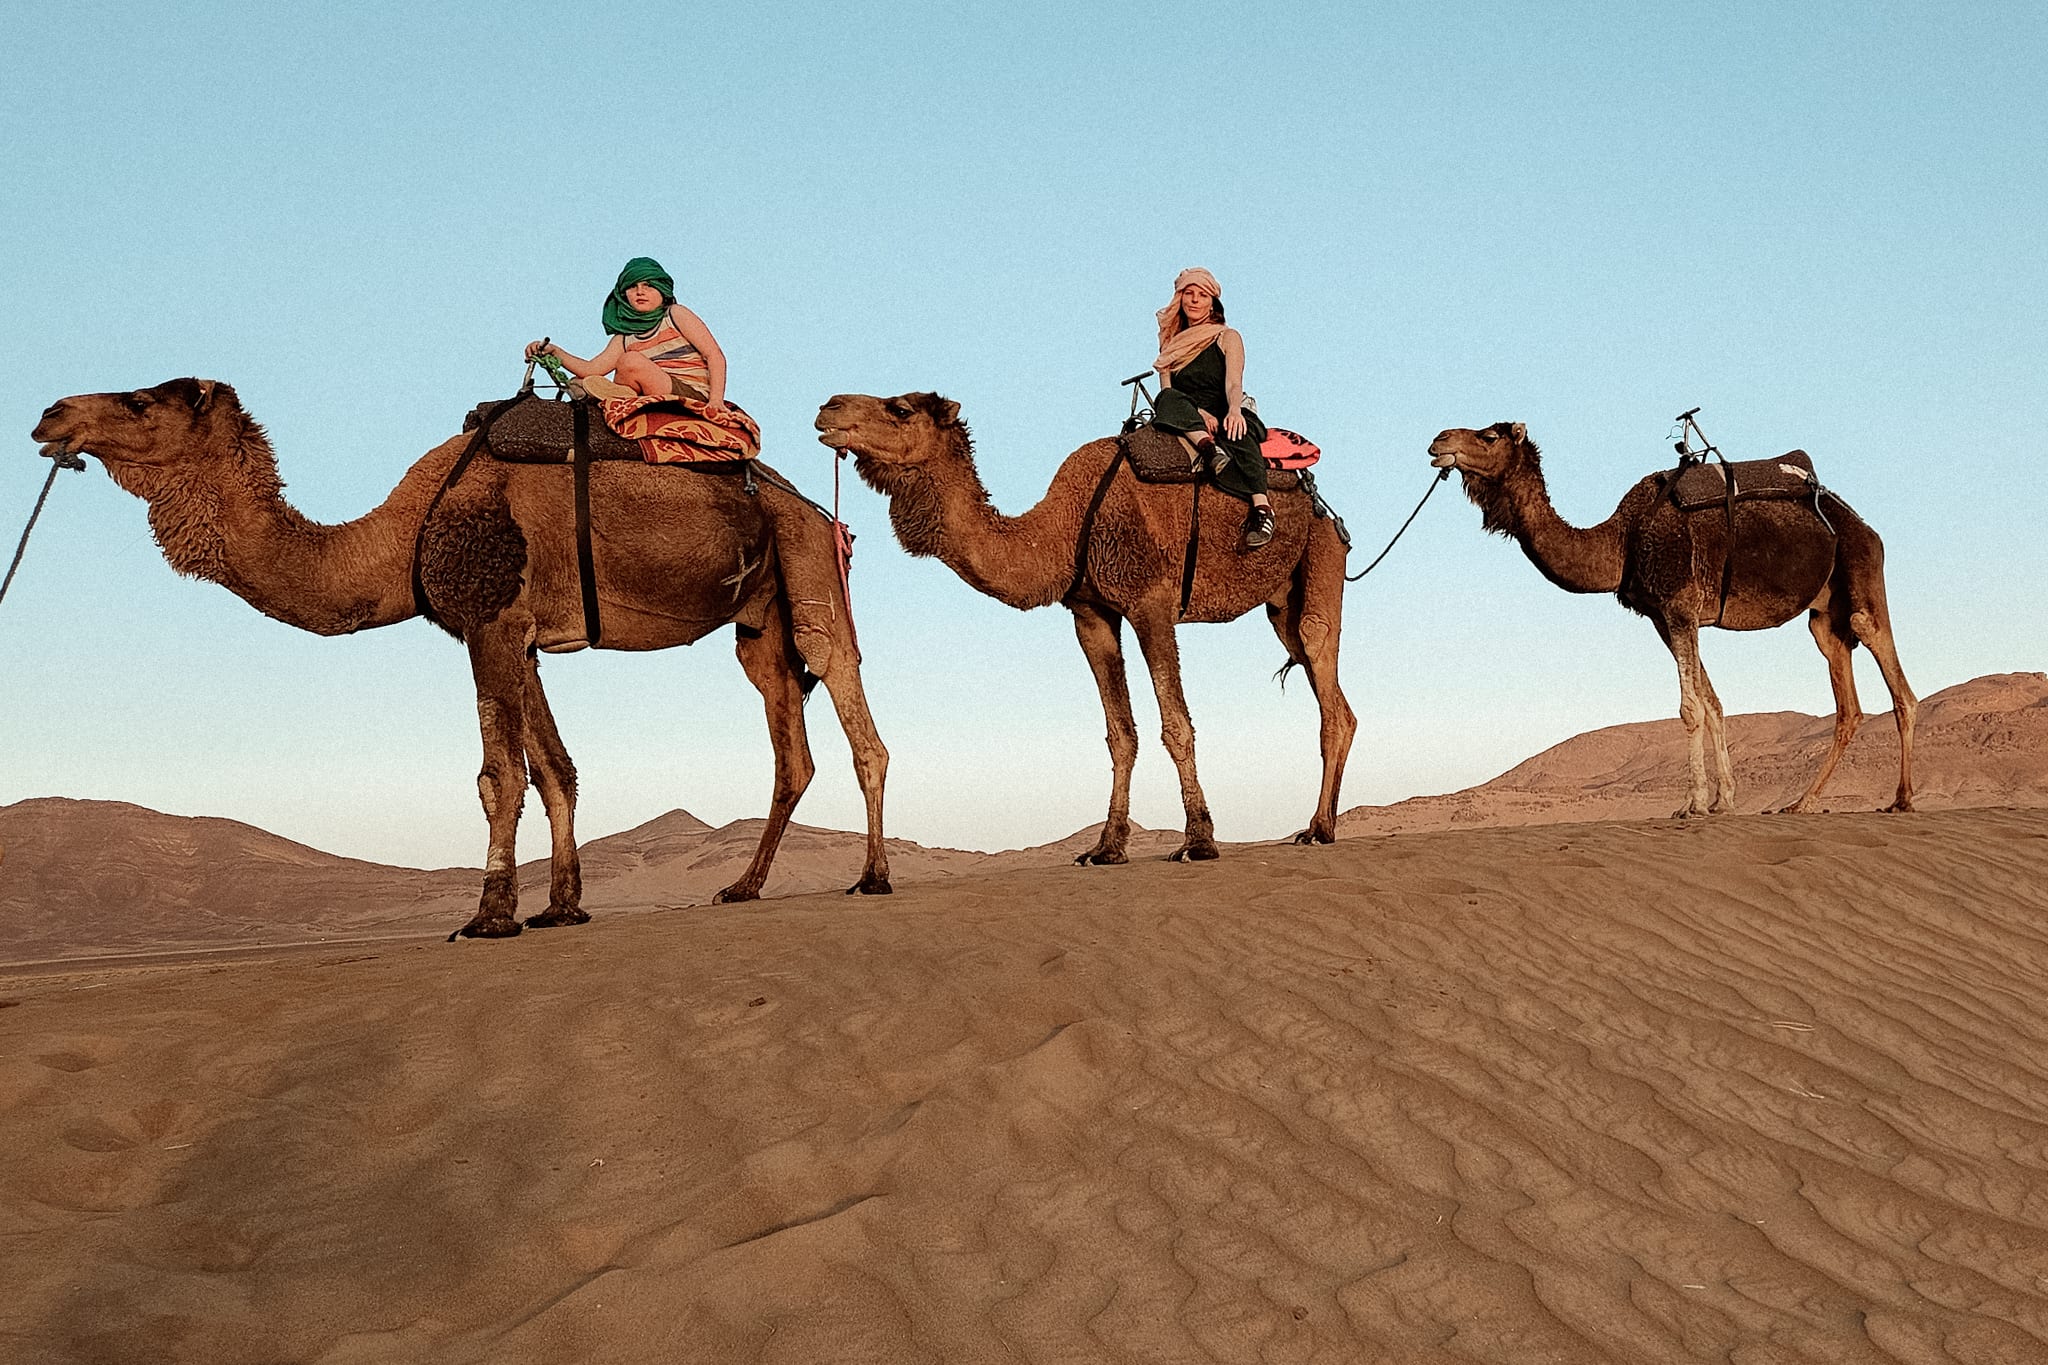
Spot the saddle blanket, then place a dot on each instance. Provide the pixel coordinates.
(1159, 456)
(1706, 484)
(682, 430)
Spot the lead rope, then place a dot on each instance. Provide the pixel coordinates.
(842, 550)
(1441, 475)
(58, 460)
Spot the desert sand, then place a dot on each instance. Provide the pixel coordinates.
(1761, 1089)
(1754, 1089)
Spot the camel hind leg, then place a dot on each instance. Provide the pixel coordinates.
(1829, 622)
(1861, 554)
(1309, 623)
(1100, 637)
(554, 776)
(767, 659)
(841, 676)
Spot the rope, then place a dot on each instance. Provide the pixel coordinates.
(1441, 475)
(57, 462)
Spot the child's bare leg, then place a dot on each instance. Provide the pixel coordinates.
(643, 376)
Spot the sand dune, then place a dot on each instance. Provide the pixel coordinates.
(1750, 1089)
(1980, 743)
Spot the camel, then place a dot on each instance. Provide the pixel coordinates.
(678, 555)
(1673, 567)
(916, 451)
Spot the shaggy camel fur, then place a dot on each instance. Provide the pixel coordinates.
(916, 450)
(678, 555)
(1668, 565)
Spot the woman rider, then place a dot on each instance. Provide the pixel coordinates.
(1201, 363)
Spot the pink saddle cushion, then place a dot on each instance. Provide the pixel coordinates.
(1286, 449)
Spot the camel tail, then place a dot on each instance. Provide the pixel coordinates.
(1286, 668)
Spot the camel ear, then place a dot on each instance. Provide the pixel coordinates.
(205, 398)
(945, 411)
(1518, 431)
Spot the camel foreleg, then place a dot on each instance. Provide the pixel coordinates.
(1101, 640)
(497, 658)
(1177, 731)
(554, 776)
(1683, 640)
(769, 665)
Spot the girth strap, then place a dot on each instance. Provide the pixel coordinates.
(1187, 568)
(586, 565)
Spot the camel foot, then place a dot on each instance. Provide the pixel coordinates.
(488, 926)
(871, 885)
(556, 916)
(736, 893)
(1102, 857)
(1195, 851)
(1903, 805)
(1313, 835)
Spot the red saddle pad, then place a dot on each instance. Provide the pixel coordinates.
(1286, 449)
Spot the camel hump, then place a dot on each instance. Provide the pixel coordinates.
(1707, 484)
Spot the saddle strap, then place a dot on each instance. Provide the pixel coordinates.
(1187, 568)
(586, 564)
(1116, 462)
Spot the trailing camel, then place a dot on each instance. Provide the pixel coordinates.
(678, 554)
(1113, 552)
(1749, 566)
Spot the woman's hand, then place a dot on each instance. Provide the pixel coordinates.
(1233, 425)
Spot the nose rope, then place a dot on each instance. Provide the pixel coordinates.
(842, 551)
(59, 459)
(1441, 475)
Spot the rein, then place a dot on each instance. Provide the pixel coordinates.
(1441, 475)
(62, 459)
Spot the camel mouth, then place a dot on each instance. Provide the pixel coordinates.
(58, 449)
(839, 438)
(1442, 459)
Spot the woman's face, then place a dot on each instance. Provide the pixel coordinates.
(1195, 304)
(644, 297)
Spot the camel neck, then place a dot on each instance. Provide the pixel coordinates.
(1577, 559)
(231, 524)
(1023, 561)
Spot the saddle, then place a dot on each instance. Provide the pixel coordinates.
(1159, 456)
(536, 430)
(1696, 487)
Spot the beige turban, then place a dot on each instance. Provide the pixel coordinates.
(1177, 346)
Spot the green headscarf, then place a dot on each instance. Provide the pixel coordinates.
(622, 318)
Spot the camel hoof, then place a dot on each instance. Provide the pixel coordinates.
(1194, 853)
(1898, 808)
(496, 926)
(871, 886)
(1312, 835)
(556, 916)
(734, 894)
(1102, 857)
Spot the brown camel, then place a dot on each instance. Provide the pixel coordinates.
(917, 451)
(1669, 565)
(678, 554)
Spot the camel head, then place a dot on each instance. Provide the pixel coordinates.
(1486, 454)
(890, 437)
(141, 433)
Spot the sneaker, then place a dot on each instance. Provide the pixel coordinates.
(1258, 527)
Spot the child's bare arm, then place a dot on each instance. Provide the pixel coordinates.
(697, 334)
(604, 362)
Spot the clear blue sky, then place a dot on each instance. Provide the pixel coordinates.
(1822, 222)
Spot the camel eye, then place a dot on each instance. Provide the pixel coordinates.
(136, 401)
(897, 408)
(1489, 436)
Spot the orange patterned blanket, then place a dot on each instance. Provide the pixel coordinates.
(679, 431)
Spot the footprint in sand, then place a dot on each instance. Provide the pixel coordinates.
(81, 1053)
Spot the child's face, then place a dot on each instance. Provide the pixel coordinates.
(644, 297)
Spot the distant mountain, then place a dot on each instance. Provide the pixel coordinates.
(80, 878)
(1979, 743)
